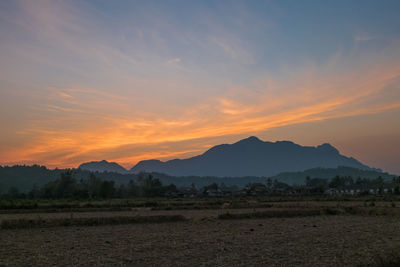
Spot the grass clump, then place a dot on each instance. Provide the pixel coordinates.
(271, 214)
(285, 213)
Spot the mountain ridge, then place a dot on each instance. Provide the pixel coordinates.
(102, 166)
(247, 157)
(252, 157)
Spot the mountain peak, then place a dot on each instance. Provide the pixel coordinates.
(284, 142)
(250, 139)
(101, 166)
(328, 148)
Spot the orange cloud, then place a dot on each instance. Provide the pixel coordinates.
(91, 131)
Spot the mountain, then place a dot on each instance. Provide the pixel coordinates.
(102, 166)
(252, 157)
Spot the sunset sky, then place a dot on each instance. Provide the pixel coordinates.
(132, 80)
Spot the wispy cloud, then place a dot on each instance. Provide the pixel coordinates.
(362, 37)
(174, 60)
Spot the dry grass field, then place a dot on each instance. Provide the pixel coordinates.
(295, 233)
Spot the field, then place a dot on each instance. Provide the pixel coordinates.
(271, 231)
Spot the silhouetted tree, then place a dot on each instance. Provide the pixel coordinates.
(107, 189)
(93, 186)
(397, 190)
(269, 182)
(66, 186)
(13, 192)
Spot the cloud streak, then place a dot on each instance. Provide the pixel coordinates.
(98, 123)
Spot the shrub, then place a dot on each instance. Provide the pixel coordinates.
(333, 211)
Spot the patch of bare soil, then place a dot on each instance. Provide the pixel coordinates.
(308, 241)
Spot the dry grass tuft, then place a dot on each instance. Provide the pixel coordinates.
(272, 214)
(93, 221)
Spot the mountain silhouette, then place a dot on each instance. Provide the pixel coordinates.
(252, 157)
(102, 166)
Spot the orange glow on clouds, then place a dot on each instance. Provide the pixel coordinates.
(85, 124)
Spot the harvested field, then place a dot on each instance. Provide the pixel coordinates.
(306, 241)
(53, 206)
(190, 214)
(305, 233)
(291, 209)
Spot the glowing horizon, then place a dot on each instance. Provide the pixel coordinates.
(93, 80)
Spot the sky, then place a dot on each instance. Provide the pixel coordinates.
(127, 81)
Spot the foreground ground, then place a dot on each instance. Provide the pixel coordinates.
(204, 240)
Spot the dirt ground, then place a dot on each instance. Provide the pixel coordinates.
(344, 240)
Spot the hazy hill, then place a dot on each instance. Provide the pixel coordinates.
(329, 173)
(252, 157)
(24, 178)
(102, 166)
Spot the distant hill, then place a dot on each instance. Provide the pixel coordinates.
(329, 173)
(25, 178)
(252, 157)
(102, 166)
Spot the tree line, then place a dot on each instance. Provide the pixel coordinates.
(71, 186)
(67, 187)
(349, 183)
